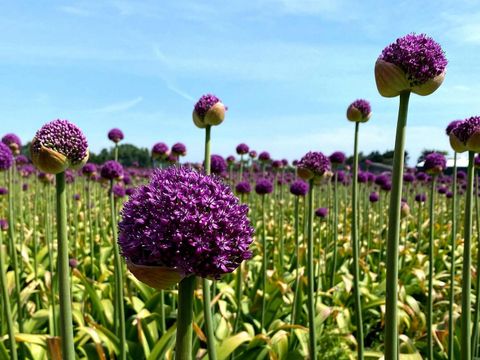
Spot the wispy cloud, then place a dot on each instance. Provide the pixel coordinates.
(120, 106)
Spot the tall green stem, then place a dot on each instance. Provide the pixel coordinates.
(451, 335)
(391, 319)
(183, 346)
(207, 307)
(430, 273)
(335, 230)
(476, 315)
(116, 152)
(297, 262)
(264, 264)
(310, 274)
(465, 345)
(66, 325)
(118, 272)
(356, 248)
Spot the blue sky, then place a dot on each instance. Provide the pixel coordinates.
(287, 69)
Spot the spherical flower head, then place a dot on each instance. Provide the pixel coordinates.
(449, 194)
(313, 166)
(76, 197)
(160, 150)
(89, 169)
(467, 133)
(3, 224)
(21, 160)
(476, 161)
(362, 177)
(243, 187)
(209, 110)
(115, 135)
(442, 190)
(264, 156)
(111, 170)
(230, 160)
(408, 177)
(13, 142)
(6, 157)
(321, 212)
(118, 191)
(179, 149)
(420, 198)
(242, 149)
(338, 158)
(185, 221)
(45, 178)
(412, 63)
(452, 126)
(299, 188)
(435, 163)
(263, 187)
(359, 111)
(3, 191)
(218, 165)
(58, 146)
(373, 197)
(421, 176)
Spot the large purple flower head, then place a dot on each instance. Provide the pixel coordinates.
(218, 165)
(263, 187)
(111, 170)
(242, 149)
(412, 63)
(466, 135)
(338, 158)
(6, 157)
(13, 142)
(118, 191)
(115, 135)
(373, 197)
(299, 188)
(321, 212)
(187, 221)
(359, 111)
(160, 150)
(179, 149)
(435, 163)
(452, 126)
(313, 165)
(89, 169)
(264, 156)
(209, 110)
(243, 187)
(58, 146)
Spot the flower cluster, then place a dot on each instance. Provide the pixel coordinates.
(435, 163)
(187, 221)
(13, 142)
(208, 110)
(111, 170)
(115, 135)
(242, 149)
(313, 165)
(359, 111)
(160, 150)
(299, 188)
(6, 157)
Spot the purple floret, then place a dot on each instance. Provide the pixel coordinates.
(419, 56)
(338, 158)
(111, 170)
(315, 163)
(160, 149)
(363, 106)
(179, 149)
(6, 157)
(218, 165)
(321, 212)
(243, 187)
(12, 141)
(188, 221)
(242, 149)
(465, 129)
(299, 188)
(264, 156)
(374, 197)
(63, 137)
(204, 104)
(263, 187)
(116, 135)
(452, 126)
(118, 191)
(435, 163)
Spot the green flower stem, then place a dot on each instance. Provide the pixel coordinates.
(116, 152)
(335, 230)
(6, 303)
(297, 262)
(356, 248)
(163, 327)
(118, 273)
(264, 264)
(391, 318)
(477, 283)
(241, 168)
(465, 344)
(430, 272)
(207, 306)
(66, 324)
(310, 275)
(183, 346)
(451, 335)
(88, 209)
(238, 289)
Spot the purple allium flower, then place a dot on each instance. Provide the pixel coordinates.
(230, 160)
(127, 180)
(374, 197)
(277, 164)
(263, 187)
(419, 56)
(420, 198)
(452, 126)
(118, 191)
(252, 154)
(449, 194)
(3, 224)
(264, 156)
(65, 140)
(338, 158)
(299, 188)
(442, 190)
(421, 176)
(13, 142)
(115, 135)
(26, 170)
(69, 176)
(242, 149)
(381, 180)
(76, 197)
(6, 157)
(461, 175)
(172, 158)
(209, 110)
(465, 129)
(387, 186)
(45, 178)
(217, 164)
(73, 263)
(313, 165)
(3, 191)
(21, 160)
(408, 177)
(179, 149)
(160, 150)
(321, 212)
(435, 163)
(338, 176)
(111, 170)
(130, 191)
(89, 169)
(243, 187)
(284, 162)
(187, 221)
(362, 177)
(359, 111)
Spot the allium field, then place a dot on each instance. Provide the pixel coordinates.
(247, 256)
